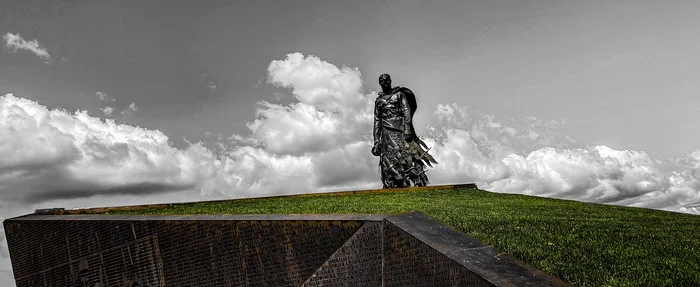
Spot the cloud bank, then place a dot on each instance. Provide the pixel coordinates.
(15, 42)
(320, 141)
(534, 159)
(312, 144)
(52, 154)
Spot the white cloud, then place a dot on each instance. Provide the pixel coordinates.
(302, 147)
(331, 110)
(104, 97)
(317, 143)
(320, 142)
(130, 109)
(107, 110)
(331, 123)
(319, 83)
(15, 42)
(56, 154)
(536, 159)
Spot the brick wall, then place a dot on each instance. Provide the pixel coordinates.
(254, 250)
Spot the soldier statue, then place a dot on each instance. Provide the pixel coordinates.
(402, 159)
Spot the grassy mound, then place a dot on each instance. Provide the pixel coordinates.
(582, 243)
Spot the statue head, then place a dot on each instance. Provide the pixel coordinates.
(385, 81)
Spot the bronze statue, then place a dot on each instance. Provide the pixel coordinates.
(402, 159)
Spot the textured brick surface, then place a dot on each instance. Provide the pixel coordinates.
(253, 253)
(255, 250)
(409, 262)
(86, 263)
(357, 263)
(172, 252)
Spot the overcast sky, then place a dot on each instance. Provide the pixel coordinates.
(128, 102)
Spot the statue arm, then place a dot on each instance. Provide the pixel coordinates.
(377, 124)
(406, 111)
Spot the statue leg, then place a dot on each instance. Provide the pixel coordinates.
(394, 166)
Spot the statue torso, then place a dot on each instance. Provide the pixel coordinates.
(389, 104)
(390, 110)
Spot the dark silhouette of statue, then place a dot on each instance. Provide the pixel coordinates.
(402, 159)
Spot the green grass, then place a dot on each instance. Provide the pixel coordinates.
(583, 244)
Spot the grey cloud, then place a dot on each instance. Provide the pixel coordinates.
(693, 204)
(107, 110)
(144, 188)
(104, 97)
(60, 155)
(15, 42)
(322, 141)
(345, 166)
(130, 109)
(474, 146)
(32, 168)
(4, 253)
(7, 278)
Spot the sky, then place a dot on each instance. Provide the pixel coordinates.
(124, 102)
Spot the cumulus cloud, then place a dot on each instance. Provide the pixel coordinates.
(536, 159)
(330, 122)
(321, 141)
(15, 42)
(318, 142)
(52, 154)
(330, 111)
